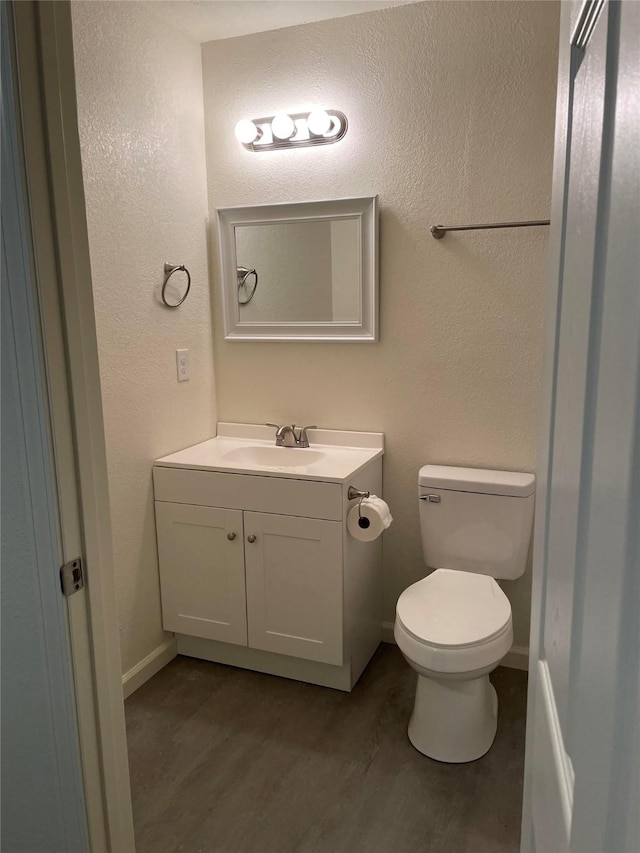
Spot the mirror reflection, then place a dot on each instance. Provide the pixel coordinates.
(299, 272)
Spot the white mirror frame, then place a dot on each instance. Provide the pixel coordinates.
(364, 209)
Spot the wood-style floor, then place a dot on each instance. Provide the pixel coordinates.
(229, 761)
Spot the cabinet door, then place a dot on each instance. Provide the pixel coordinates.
(294, 586)
(202, 571)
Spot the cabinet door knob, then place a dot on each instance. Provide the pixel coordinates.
(231, 536)
(251, 538)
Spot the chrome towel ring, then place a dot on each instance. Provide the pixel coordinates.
(244, 294)
(169, 270)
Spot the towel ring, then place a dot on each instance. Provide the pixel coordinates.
(169, 270)
(243, 275)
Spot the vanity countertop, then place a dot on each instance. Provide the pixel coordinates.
(333, 456)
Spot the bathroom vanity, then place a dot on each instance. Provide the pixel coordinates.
(257, 568)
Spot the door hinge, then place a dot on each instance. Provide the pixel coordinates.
(71, 576)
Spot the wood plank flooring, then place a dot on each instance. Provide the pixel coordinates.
(229, 761)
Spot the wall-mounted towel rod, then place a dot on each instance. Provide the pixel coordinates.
(438, 231)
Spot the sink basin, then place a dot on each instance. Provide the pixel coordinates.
(274, 457)
(335, 456)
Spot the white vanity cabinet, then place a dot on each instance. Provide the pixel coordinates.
(201, 560)
(259, 571)
(271, 582)
(294, 586)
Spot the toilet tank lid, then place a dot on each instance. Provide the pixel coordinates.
(480, 480)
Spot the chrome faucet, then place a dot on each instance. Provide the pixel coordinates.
(302, 438)
(298, 439)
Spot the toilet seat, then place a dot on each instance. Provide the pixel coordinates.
(454, 622)
(452, 609)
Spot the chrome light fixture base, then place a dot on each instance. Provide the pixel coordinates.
(302, 135)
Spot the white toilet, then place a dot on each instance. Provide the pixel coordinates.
(454, 626)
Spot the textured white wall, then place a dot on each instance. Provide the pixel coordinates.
(141, 128)
(451, 112)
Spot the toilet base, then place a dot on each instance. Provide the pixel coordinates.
(454, 721)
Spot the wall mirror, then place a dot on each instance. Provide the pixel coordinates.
(298, 272)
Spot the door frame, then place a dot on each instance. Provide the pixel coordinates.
(547, 411)
(54, 196)
(54, 188)
(585, 808)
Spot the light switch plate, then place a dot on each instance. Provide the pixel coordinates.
(182, 364)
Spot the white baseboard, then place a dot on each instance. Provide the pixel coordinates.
(147, 667)
(517, 658)
(387, 633)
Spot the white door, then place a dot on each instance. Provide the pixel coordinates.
(202, 571)
(294, 585)
(583, 759)
(70, 451)
(43, 801)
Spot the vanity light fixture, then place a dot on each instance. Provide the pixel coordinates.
(292, 130)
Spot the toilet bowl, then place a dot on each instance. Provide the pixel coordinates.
(453, 628)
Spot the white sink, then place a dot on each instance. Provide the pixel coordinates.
(334, 456)
(272, 456)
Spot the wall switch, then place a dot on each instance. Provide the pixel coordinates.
(182, 364)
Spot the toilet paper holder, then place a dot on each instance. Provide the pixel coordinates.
(353, 494)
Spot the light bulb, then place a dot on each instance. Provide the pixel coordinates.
(319, 122)
(246, 131)
(282, 126)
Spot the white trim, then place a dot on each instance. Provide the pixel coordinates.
(516, 658)
(149, 666)
(552, 777)
(564, 767)
(547, 412)
(387, 633)
(54, 176)
(37, 167)
(33, 498)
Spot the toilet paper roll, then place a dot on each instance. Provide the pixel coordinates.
(367, 522)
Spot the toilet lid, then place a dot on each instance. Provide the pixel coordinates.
(454, 609)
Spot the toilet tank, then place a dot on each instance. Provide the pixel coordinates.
(475, 520)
